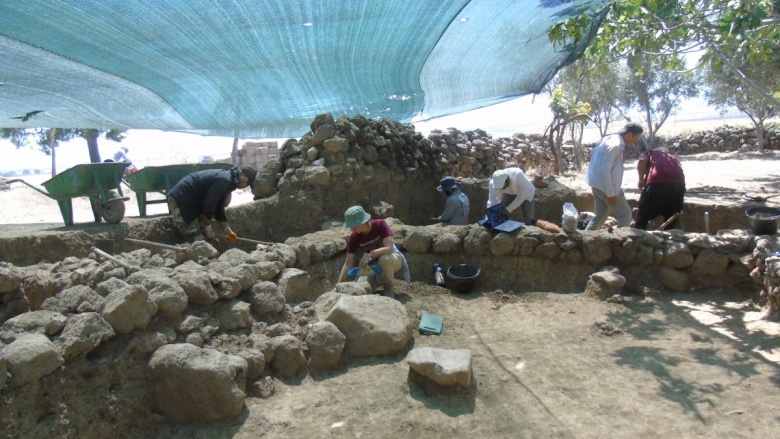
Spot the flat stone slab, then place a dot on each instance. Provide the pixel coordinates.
(445, 367)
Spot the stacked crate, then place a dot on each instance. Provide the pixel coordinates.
(256, 154)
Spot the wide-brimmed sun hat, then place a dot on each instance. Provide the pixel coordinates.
(498, 179)
(447, 183)
(355, 216)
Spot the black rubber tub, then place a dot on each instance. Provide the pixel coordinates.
(763, 220)
(462, 278)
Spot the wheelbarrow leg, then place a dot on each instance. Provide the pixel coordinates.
(66, 209)
(141, 197)
(96, 211)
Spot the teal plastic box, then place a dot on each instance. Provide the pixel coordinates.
(430, 324)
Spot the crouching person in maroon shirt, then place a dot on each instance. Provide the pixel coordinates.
(373, 240)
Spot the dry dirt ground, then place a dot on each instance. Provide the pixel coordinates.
(685, 365)
(689, 365)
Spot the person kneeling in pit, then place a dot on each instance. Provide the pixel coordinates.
(202, 196)
(374, 239)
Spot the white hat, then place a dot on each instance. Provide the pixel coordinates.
(498, 179)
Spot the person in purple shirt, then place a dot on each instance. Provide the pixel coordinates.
(662, 182)
(373, 239)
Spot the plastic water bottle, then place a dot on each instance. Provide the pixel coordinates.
(438, 274)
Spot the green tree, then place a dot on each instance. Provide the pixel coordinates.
(724, 90)
(48, 139)
(724, 30)
(601, 85)
(566, 112)
(655, 91)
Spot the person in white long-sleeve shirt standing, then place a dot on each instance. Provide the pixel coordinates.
(513, 189)
(605, 176)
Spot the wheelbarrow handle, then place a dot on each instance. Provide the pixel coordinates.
(19, 180)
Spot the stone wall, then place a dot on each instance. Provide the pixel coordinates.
(534, 259)
(722, 139)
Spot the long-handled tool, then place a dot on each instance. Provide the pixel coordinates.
(123, 264)
(156, 245)
(669, 221)
(249, 241)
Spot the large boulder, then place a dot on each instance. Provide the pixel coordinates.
(325, 343)
(288, 358)
(295, 285)
(190, 384)
(711, 263)
(83, 333)
(596, 246)
(677, 255)
(196, 283)
(235, 314)
(166, 293)
(372, 325)
(605, 284)
(10, 278)
(128, 309)
(265, 298)
(30, 358)
(39, 322)
(445, 367)
(79, 298)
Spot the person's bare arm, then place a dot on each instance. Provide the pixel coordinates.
(641, 169)
(386, 249)
(348, 263)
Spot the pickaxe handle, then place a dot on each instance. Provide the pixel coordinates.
(123, 264)
(155, 244)
(669, 221)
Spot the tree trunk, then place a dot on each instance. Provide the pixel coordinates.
(760, 136)
(52, 144)
(555, 169)
(92, 145)
(577, 132)
(234, 154)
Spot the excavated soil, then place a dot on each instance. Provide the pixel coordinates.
(686, 365)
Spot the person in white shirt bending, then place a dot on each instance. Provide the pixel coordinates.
(513, 189)
(605, 176)
(121, 155)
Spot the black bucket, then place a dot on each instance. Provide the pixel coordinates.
(462, 278)
(763, 220)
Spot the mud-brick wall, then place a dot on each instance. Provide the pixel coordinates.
(533, 259)
(257, 154)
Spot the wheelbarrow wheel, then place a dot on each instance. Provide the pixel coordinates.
(113, 211)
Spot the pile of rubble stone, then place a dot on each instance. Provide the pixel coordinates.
(346, 148)
(224, 321)
(721, 139)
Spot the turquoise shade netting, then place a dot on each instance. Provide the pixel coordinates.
(266, 68)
